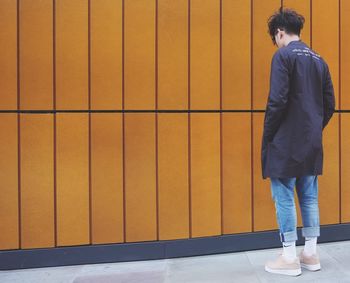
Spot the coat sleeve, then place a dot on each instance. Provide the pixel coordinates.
(328, 98)
(278, 96)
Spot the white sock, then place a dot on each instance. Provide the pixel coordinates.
(310, 245)
(289, 250)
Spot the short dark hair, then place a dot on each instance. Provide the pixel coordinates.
(285, 19)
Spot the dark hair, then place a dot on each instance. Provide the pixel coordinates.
(285, 19)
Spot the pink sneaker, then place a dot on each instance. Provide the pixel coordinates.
(310, 262)
(281, 266)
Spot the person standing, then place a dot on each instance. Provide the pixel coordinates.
(300, 104)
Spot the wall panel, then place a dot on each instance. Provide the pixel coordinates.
(107, 178)
(329, 180)
(72, 167)
(264, 214)
(345, 54)
(8, 54)
(36, 54)
(9, 222)
(205, 54)
(173, 176)
(71, 61)
(236, 54)
(106, 54)
(140, 177)
(205, 174)
(37, 181)
(236, 173)
(345, 168)
(173, 54)
(325, 37)
(139, 54)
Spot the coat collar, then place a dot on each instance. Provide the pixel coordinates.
(294, 42)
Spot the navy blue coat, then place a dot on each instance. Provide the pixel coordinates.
(300, 104)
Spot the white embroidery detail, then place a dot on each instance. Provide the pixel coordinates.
(306, 52)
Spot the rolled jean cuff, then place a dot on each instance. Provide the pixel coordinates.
(289, 236)
(313, 231)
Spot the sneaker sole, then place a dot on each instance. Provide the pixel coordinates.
(311, 267)
(291, 272)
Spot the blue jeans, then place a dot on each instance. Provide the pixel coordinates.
(283, 196)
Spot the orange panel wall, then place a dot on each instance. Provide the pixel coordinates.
(146, 118)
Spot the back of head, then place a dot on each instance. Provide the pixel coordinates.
(285, 19)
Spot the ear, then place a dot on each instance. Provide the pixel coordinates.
(280, 32)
